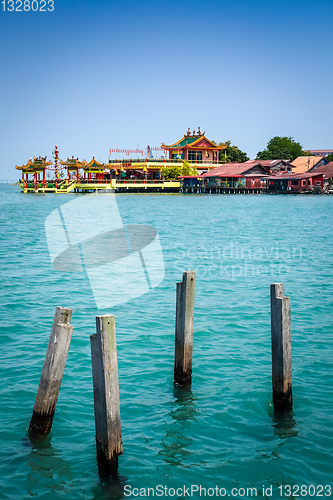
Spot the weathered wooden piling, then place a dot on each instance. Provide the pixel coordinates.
(106, 394)
(281, 348)
(184, 329)
(52, 373)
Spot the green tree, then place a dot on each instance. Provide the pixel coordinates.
(232, 153)
(175, 172)
(329, 157)
(186, 169)
(171, 172)
(307, 153)
(281, 148)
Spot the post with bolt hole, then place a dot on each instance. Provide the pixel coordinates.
(106, 395)
(184, 329)
(281, 348)
(52, 373)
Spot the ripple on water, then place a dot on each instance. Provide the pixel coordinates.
(224, 430)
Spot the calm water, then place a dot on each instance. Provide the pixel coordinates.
(221, 433)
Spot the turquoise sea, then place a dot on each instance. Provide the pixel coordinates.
(223, 434)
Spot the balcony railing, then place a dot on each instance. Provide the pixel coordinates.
(162, 160)
(144, 181)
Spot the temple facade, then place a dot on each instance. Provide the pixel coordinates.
(194, 148)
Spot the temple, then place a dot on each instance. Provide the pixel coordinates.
(94, 170)
(194, 148)
(193, 153)
(36, 168)
(73, 166)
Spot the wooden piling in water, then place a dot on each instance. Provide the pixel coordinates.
(184, 329)
(281, 348)
(106, 394)
(52, 373)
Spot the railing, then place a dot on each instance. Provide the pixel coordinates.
(39, 185)
(148, 182)
(162, 160)
(230, 184)
(93, 181)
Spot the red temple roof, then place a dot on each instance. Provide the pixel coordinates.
(194, 141)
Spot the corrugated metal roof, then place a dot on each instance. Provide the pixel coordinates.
(264, 163)
(327, 170)
(231, 169)
(294, 175)
(189, 176)
(233, 176)
(228, 170)
(256, 175)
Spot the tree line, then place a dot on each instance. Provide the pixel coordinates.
(278, 148)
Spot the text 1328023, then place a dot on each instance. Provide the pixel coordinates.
(27, 5)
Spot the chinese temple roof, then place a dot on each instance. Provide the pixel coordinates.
(194, 141)
(37, 164)
(73, 162)
(94, 165)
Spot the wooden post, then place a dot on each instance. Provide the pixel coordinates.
(281, 348)
(52, 373)
(184, 329)
(106, 394)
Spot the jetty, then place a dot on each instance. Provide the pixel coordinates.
(112, 186)
(194, 164)
(193, 152)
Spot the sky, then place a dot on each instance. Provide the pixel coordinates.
(92, 75)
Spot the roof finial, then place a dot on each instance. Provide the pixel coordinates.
(199, 133)
(188, 131)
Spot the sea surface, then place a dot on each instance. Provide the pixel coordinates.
(223, 433)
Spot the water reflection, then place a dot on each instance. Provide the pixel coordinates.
(284, 424)
(178, 436)
(110, 488)
(48, 468)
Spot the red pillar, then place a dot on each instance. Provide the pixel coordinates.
(44, 176)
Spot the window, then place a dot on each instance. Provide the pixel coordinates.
(195, 155)
(294, 183)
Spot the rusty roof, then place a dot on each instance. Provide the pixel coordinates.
(189, 176)
(266, 163)
(327, 170)
(232, 169)
(305, 175)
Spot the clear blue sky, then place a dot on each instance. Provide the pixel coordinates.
(94, 74)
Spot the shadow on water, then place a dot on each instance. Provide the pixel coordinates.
(285, 426)
(48, 469)
(177, 438)
(110, 487)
